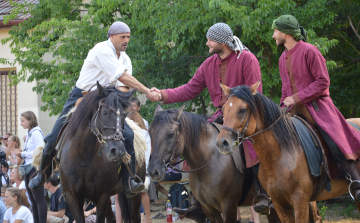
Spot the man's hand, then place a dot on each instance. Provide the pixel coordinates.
(154, 95)
(289, 101)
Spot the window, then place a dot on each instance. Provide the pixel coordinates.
(8, 103)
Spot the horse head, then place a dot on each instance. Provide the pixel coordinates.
(107, 123)
(238, 119)
(167, 142)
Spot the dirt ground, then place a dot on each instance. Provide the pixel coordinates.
(343, 211)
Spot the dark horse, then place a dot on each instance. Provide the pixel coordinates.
(219, 184)
(89, 164)
(284, 172)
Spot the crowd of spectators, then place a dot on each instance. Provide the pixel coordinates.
(19, 202)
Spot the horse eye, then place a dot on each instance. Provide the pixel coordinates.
(104, 112)
(170, 135)
(242, 111)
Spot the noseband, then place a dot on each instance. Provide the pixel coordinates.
(98, 131)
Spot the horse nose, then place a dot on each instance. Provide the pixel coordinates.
(223, 144)
(154, 174)
(116, 154)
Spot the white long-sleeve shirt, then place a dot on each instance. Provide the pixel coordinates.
(34, 139)
(102, 64)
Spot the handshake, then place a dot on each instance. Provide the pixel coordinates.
(154, 95)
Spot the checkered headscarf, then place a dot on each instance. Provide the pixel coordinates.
(221, 33)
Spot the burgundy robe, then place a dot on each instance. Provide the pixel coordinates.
(305, 77)
(229, 71)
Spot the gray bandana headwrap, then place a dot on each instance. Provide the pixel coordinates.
(221, 33)
(118, 27)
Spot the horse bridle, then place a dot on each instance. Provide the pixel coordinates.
(240, 136)
(99, 132)
(172, 156)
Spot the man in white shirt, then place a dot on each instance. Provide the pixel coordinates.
(106, 63)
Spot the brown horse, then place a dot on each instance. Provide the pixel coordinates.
(284, 171)
(89, 170)
(218, 184)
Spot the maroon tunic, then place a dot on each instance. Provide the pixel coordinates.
(229, 71)
(305, 77)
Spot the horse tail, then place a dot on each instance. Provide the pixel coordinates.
(126, 208)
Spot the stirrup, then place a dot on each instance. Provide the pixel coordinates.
(351, 182)
(134, 177)
(267, 210)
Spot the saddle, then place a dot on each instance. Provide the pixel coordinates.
(330, 162)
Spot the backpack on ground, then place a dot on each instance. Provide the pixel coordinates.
(178, 193)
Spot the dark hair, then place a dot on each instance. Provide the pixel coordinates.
(134, 99)
(20, 194)
(53, 179)
(30, 116)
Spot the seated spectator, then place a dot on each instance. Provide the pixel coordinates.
(4, 174)
(59, 210)
(14, 146)
(89, 212)
(5, 142)
(2, 210)
(18, 181)
(19, 211)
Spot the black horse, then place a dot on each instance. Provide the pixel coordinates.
(92, 152)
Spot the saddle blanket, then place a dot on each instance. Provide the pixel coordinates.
(313, 154)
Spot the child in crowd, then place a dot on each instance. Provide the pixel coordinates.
(19, 207)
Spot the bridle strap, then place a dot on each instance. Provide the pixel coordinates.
(241, 136)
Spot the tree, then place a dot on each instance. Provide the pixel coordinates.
(167, 44)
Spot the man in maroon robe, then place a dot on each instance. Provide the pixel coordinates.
(232, 65)
(305, 80)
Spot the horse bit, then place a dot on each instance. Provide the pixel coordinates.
(98, 132)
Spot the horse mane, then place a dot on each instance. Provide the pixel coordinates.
(267, 112)
(89, 105)
(190, 124)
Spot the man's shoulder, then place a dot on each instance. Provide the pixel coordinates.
(102, 47)
(210, 59)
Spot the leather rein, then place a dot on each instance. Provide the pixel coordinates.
(172, 156)
(98, 131)
(240, 136)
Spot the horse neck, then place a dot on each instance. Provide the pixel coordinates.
(84, 134)
(267, 150)
(199, 156)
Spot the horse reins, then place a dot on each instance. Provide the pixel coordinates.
(172, 156)
(240, 136)
(98, 132)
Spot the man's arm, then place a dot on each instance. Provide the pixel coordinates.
(132, 82)
(58, 214)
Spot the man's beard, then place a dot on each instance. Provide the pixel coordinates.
(281, 43)
(217, 50)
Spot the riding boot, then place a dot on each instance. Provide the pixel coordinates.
(350, 168)
(40, 178)
(131, 188)
(195, 212)
(263, 197)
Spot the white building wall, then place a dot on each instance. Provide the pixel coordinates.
(27, 99)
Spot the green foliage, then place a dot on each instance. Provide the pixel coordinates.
(322, 209)
(168, 41)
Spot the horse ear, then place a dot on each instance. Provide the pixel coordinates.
(102, 91)
(226, 89)
(179, 111)
(129, 93)
(158, 109)
(254, 88)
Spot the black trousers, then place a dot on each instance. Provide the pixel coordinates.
(37, 198)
